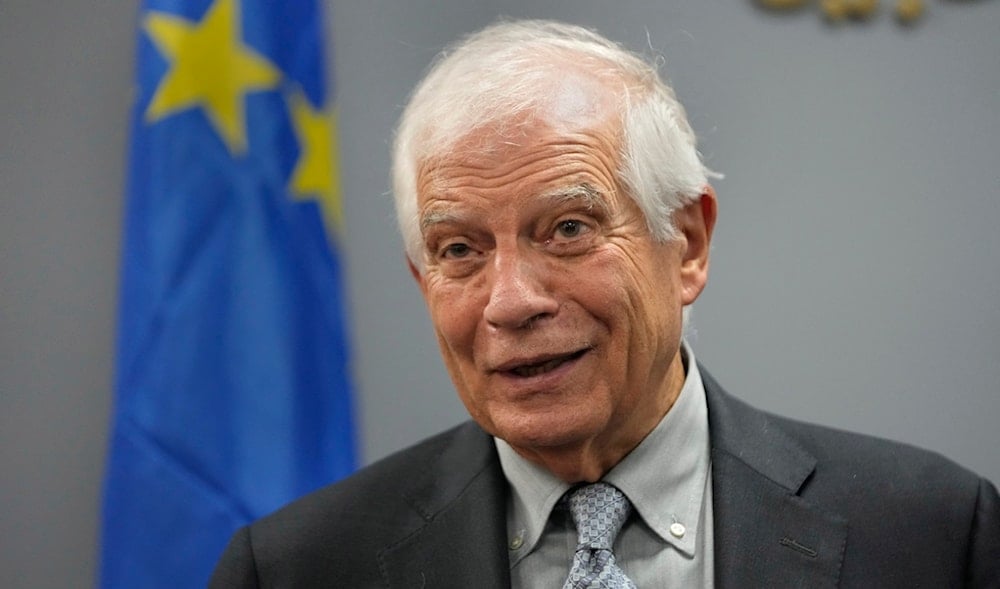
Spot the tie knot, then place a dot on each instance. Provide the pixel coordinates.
(599, 511)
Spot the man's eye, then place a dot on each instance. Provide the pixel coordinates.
(456, 250)
(570, 228)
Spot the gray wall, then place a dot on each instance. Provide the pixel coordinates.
(856, 267)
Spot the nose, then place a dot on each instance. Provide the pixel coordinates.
(518, 294)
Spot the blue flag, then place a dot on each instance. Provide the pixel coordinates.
(233, 393)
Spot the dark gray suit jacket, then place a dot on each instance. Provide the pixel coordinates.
(795, 505)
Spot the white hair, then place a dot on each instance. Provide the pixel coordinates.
(503, 72)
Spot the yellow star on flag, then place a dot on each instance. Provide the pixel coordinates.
(316, 173)
(210, 67)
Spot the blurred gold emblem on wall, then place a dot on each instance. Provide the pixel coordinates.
(838, 11)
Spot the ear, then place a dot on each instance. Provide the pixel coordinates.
(695, 222)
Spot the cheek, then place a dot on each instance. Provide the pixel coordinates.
(455, 326)
(645, 299)
(625, 282)
(655, 271)
(455, 311)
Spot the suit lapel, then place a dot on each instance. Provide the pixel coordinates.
(765, 533)
(462, 542)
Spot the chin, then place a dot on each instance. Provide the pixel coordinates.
(546, 430)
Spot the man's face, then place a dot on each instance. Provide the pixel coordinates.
(558, 316)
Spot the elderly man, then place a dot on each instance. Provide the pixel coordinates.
(557, 218)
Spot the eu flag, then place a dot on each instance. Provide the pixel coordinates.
(232, 387)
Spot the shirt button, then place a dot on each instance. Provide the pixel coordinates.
(677, 530)
(516, 542)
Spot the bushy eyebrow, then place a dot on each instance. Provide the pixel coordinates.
(590, 197)
(433, 218)
(584, 193)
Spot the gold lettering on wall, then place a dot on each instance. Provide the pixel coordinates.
(838, 11)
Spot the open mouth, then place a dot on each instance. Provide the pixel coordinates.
(527, 370)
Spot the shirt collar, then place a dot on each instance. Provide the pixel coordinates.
(664, 476)
(534, 492)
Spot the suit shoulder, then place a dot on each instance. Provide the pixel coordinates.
(382, 483)
(342, 527)
(861, 455)
(838, 454)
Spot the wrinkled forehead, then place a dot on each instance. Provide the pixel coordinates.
(542, 154)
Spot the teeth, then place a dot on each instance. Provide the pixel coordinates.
(538, 368)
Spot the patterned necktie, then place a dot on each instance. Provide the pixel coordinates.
(599, 511)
